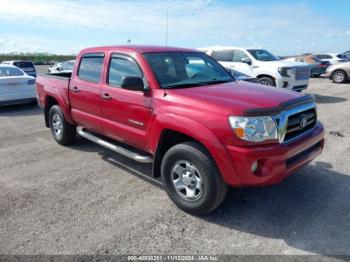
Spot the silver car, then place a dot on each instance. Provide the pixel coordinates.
(16, 87)
(339, 73)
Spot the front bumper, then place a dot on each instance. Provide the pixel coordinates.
(277, 161)
(290, 83)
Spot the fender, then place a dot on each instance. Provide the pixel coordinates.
(62, 100)
(200, 133)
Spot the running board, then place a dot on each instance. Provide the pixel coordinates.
(118, 149)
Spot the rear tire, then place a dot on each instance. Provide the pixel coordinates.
(339, 77)
(191, 178)
(267, 81)
(63, 132)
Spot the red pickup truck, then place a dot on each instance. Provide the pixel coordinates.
(182, 111)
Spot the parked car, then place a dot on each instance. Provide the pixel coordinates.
(339, 73)
(264, 66)
(16, 86)
(202, 131)
(66, 66)
(331, 58)
(317, 66)
(346, 55)
(242, 77)
(27, 66)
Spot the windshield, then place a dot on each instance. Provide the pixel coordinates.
(262, 55)
(186, 69)
(10, 71)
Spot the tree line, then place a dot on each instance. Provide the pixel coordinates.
(36, 58)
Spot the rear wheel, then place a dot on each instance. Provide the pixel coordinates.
(267, 81)
(191, 179)
(339, 77)
(63, 132)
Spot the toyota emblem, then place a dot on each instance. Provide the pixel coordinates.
(303, 122)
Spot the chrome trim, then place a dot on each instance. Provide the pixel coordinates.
(281, 120)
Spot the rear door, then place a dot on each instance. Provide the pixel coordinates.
(125, 113)
(85, 91)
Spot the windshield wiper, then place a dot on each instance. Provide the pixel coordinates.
(186, 85)
(217, 82)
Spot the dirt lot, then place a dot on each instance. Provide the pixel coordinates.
(84, 199)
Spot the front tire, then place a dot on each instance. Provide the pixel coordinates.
(339, 77)
(63, 132)
(191, 178)
(267, 81)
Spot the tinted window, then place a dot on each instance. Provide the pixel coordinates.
(26, 66)
(186, 69)
(238, 55)
(120, 67)
(224, 55)
(324, 56)
(10, 71)
(91, 67)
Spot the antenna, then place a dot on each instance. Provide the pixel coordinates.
(167, 29)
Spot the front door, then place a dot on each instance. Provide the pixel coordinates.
(125, 113)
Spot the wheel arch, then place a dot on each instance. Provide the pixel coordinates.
(170, 130)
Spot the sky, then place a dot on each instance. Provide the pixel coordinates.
(283, 27)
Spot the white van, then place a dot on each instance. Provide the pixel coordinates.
(264, 66)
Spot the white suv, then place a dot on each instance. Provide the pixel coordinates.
(264, 66)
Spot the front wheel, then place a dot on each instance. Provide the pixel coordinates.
(339, 77)
(267, 81)
(191, 179)
(63, 132)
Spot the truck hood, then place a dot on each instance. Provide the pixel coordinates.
(232, 98)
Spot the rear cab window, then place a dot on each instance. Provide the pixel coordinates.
(90, 68)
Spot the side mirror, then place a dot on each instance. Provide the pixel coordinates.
(134, 83)
(246, 60)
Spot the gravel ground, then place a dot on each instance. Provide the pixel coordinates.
(84, 199)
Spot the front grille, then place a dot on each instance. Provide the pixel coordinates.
(300, 123)
(302, 73)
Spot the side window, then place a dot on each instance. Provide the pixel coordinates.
(121, 66)
(224, 55)
(90, 68)
(238, 55)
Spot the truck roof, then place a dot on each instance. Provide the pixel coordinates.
(139, 48)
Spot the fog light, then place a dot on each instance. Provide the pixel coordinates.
(254, 166)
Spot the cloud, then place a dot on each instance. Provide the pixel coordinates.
(195, 23)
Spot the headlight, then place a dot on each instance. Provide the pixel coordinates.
(286, 71)
(254, 129)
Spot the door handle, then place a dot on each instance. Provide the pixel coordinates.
(75, 90)
(106, 96)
